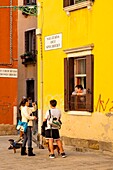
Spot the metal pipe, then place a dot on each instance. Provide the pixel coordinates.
(41, 81)
(41, 85)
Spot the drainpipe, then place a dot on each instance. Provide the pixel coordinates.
(41, 88)
(39, 34)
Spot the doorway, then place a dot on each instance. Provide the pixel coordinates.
(30, 89)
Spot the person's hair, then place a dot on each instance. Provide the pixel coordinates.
(24, 102)
(53, 102)
(79, 86)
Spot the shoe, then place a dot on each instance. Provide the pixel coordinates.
(23, 151)
(63, 155)
(30, 151)
(52, 156)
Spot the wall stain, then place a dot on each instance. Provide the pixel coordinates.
(5, 105)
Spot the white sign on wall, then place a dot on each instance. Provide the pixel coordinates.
(7, 72)
(53, 42)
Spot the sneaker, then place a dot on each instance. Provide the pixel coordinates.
(52, 156)
(63, 155)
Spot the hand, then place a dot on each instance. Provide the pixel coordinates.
(33, 104)
(35, 118)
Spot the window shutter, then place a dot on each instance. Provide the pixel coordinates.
(25, 2)
(34, 41)
(66, 3)
(71, 2)
(26, 41)
(71, 75)
(89, 82)
(68, 82)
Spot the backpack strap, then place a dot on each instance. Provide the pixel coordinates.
(50, 114)
(50, 125)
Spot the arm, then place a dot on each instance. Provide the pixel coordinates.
(26, 114)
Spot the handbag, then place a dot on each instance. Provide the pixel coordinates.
(22, 126)
(54, 122)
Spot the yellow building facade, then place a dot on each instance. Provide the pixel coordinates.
(75, 46)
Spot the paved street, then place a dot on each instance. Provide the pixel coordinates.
(73, 161)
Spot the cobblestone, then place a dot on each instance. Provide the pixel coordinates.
(74, 160)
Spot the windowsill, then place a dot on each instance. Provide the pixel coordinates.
(79, 113)
(78, 6)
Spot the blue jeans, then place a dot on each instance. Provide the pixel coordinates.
(28, 137)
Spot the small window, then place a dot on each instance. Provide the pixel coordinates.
(30, 41)
(78, 71)
(71, 5)
(29, 2)
(72, 2)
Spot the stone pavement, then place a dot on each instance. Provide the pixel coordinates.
(74, 160)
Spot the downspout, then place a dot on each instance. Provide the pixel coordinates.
(40, 113)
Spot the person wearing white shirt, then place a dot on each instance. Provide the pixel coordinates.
(79, 90)
(26, 114)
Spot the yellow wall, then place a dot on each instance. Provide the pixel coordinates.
(80, 28)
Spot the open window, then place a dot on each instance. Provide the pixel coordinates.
(78, 70)
(29, 2)
(30, 41)
(71, 5)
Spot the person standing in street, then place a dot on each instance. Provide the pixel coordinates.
(52, 132)
(26, 114)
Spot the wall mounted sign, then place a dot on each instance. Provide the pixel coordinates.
(53, 42)
(7, 72)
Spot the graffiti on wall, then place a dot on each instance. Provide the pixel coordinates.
(103, 105)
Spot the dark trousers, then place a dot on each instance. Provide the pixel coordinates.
(28, 137)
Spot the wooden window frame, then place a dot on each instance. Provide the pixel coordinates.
(69, 82)
(33, 43)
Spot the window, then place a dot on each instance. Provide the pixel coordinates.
(29, 2)
(78, 70)
(30, 41)
(70, 5)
